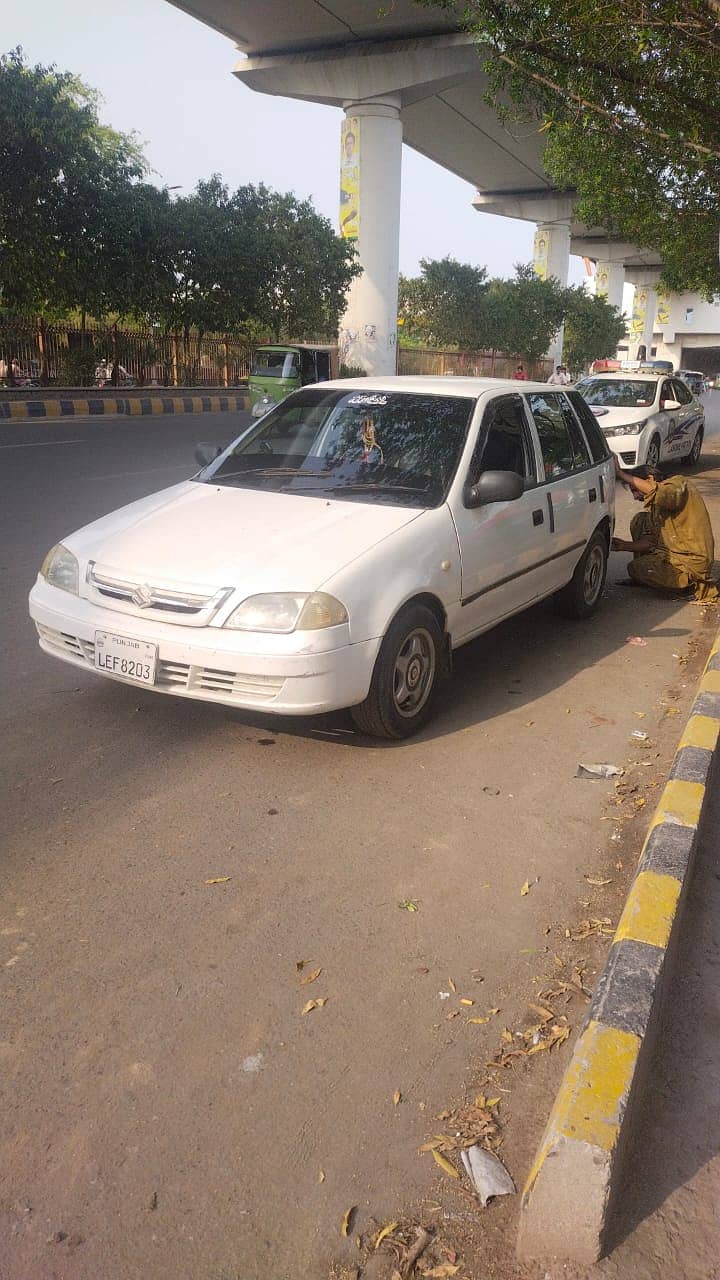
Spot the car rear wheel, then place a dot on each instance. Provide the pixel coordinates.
(653, 453)
(406, 676)
(581, 597)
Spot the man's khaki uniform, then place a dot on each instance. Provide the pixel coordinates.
(676, 519)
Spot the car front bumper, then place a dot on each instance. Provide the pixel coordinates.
(273, 673)
(626, 449)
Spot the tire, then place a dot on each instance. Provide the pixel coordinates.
(652, 458)
(406, 677)
(693, 457)
(581, 597)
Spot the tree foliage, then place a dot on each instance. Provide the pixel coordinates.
(627, 95)
(82, 229)
(454, 304)
(593, 330)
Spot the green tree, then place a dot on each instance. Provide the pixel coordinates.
(525, 313)
(450, 298)
(62, 172)
(593, 330)
(627, 95)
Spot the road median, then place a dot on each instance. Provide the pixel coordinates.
(57, 406)
(569, 1198)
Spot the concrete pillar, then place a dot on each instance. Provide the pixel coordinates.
(551, 257)
(368, 330)
(642, 324)
(609, 282)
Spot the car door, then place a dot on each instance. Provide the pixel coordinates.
(669, 423)
(689, 416)
(501, 544)
(571, 489)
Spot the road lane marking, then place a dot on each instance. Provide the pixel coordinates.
(40, 444)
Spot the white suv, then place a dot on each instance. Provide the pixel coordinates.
(646, 417)
(338, 551)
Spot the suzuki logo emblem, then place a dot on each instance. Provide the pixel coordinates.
(142, 596)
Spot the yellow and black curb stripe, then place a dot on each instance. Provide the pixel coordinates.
(133, 406)
(568, 1199)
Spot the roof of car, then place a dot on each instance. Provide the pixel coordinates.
(429, 384)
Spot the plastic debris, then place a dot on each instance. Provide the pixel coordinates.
(637, 640)
(488, 1174)
(595, 771)
(639, 736)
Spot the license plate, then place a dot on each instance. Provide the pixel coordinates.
(122, 656)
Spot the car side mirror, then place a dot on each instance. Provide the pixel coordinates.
(495, 486)
(671, 404)
(206, 453)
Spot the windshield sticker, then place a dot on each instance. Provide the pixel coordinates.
(367, 398)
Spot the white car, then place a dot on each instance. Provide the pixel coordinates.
(646, 417)
(338, 551)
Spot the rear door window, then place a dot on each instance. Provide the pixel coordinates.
(598, 444)
(563, 448)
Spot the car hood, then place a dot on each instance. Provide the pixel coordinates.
(214, 536)
(609, 418)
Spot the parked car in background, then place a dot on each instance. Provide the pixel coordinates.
(694, 379)
(646, 418)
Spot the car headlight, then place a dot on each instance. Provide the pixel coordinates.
(630, 429)
(60, 569)
(288, 611)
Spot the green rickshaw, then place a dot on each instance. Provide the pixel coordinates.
(275, 371)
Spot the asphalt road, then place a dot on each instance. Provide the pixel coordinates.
(167, 1110)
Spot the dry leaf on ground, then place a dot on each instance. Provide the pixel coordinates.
(345, 1224)
(525, 889)
(397, 1098)
(311, 977)
(386, 1231)
(218, 880)
(445, 1165)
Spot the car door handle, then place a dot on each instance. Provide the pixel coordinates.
(538, 516)
(592, 495)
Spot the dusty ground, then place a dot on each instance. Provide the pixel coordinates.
(167, 1109)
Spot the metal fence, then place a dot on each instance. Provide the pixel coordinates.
(473, 364)
(61, 355)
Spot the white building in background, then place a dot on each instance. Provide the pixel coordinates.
(687, 331)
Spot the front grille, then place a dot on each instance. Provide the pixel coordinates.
(191, 606)
(211, 683)
(629, 458)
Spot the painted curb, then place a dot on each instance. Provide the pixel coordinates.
(568, 1199)
(131, 406)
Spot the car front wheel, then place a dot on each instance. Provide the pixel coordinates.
(405, 678)
(653, 453)
(693, 457)
(581, 597)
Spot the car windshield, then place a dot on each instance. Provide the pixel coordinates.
(618, 393)
(368, 446)
(275, 364)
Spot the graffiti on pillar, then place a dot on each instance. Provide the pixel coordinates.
(602, 282)
(370, 331)
(346, 338)
(541, 248)
(639, 313)
(662, 314)
(350, 178)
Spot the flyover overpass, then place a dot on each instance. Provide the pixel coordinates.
(409, 75)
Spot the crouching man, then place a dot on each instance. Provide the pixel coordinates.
(671, 540)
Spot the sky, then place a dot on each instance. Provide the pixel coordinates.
(168, 78)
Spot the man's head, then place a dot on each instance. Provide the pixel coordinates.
(645, 474)
(558, 368)
(520, 369)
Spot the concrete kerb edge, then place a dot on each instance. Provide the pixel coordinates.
(567, 1204)
(55, 407)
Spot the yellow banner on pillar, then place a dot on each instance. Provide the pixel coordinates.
(639, 313)
(662, 315)
(350, 178)
(602, 282)
(541, 247)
